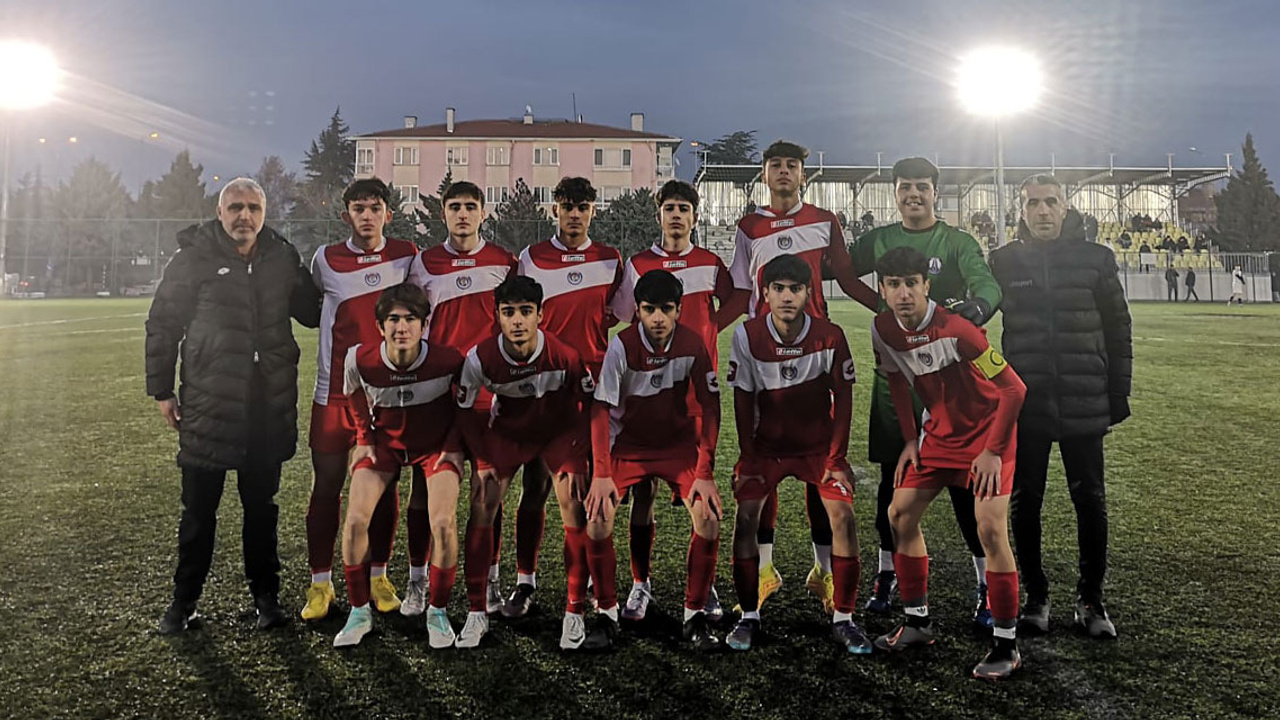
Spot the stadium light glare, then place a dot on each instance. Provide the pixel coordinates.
(29, 75)
(999, 81)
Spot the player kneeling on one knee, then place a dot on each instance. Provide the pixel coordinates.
(792, 379)
(400, 396)
(642, 428)
(971, 399)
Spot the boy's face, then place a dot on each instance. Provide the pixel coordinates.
(916, 198)
(907, 297)
(784, 175)
(402, 329)
(574, 218)
(658, 320)
(367, 217)
(787, 299)
(677, 217)
(518, 321)
(463, 216)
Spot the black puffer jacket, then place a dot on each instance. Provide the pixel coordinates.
(239, 358)
(1067, 331)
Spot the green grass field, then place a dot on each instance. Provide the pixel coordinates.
(89, 509)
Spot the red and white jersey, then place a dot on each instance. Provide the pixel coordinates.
(577, 286)
(808, 232)
(950, 365)
(705, 279)
(534, 400)
(802, 391)
(647, 391)
(459, 287)
(406, 409)
(351, 280)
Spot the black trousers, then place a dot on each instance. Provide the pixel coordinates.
(1083, 461)
(197, 529)
(1191, 293)
(1173, 293)
(961, 502)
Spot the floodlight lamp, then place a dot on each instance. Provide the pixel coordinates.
(29, 75)
(999, 81)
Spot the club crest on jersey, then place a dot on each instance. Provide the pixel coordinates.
(785, 222)
(785, 242)
(789, 372)
(463, 282)
(917, 339)
(464, 262)
(655, 380)
(579, 257)
(369, 259)
(404, 394)
(527, 388)
(926, 359)
(575, 278)
(935, 265)
(669, 264)
(790, 351)
(372, 279)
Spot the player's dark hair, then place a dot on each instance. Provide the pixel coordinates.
(518, 289)
(462, 188)
(913, 168)
(574, 190)
(786, 149)
(1040, 179)
(367, 189)
(406, 295)
(679, 190)
(786, 268)
(902, 262)
(658, 287)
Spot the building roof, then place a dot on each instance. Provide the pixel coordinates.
(862, 174)
(516, 128)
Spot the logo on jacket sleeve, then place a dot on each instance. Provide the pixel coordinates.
(847, 370)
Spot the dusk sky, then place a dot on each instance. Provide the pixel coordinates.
(235, 81)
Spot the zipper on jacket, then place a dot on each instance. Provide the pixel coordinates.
(253, 311)
(1053, 336)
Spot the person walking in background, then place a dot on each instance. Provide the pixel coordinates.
(1171, 279)
(1237, 286)
(1191, 286)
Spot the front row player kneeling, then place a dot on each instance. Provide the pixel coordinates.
(400, 394)
(793, 377)
(541, 390)
(641, 429)
(971, 399)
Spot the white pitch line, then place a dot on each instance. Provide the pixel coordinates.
(1193, 341)
(69, 320)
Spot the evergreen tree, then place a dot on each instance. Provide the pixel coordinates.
(180, 194)
(280, 186)
(1248, 208)
(329, 167)
(630, 223)
(519, 221)
(407, 221)
(735, 148)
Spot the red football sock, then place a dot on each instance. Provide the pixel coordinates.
(442, 580)
(324, 516)
(497, 536)
(419, 532)
(769, 514)
(477, 554)
(382, 526)
(746, 580)
(529, 526)
(846, 573)
(575, 569)
(913, 579)
(602, 562)
(700, 569)
(1002, 596)
(640, 543)
(357, 584)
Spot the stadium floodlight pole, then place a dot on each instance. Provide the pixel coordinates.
(28, 79)
(999, 82)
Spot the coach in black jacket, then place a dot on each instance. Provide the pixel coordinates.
(224, 305)
(1068, 333)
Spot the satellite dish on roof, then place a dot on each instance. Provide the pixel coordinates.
(528, 109)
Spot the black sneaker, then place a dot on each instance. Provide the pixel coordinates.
(603, 635)
(1092, 620)
(517, 606)
(743, 635)
(270, 614)
(698, 632)
(982, 619)
(177, 618)
(1035, 617)
(1001, 661)
(848, 634)
(882, 592)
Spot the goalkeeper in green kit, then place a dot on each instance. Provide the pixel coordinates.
(960, 280)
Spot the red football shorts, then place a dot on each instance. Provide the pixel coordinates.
(677, 471)
(770, 472)
(332, 432)
(936, 477)
(386, 460)
(565, 453)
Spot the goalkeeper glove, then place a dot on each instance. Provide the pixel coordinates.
(976, 311)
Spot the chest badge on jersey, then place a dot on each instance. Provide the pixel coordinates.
(527, 388)
(575, 278)
(789, 372)
(935, 266)
(463, 282)
(372, 279)
(405, 395)
(926, 359)
(655, 380)
(785, 242)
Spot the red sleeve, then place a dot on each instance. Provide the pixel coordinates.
(846, 274)
(609, 319)
(361, 416)
(1005, 421)
(453, 440)
(600, 439)
(733, 308)
(971, 340)
(707, 391)
(842, 411)
(744, 416)
(724, 294)
(902, 406)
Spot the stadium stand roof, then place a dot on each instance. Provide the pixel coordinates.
(967, 175)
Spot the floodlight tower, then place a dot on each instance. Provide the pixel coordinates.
(999, 82)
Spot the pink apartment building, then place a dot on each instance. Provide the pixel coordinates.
(495, 153)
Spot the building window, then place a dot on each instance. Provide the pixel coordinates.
(626, 158)
(364, 161)
(546, 156)
(599, 157)
(497, 156)
(496, 194)
(408, 194)
(542, 194)
(455, 156)
(406, 156)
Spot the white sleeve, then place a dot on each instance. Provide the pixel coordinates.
(418, 273)
(351, 373)
(523, 264)
(317, 267)
(471, 382)
(609, 385)
(623, 305)
(742, 365)
(740, 267)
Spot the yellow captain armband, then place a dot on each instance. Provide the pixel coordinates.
(990, 363)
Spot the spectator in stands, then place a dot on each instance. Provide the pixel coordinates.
(1183, 245)
(1143, 251)
(1125, 241)
(1136, 224)
(1202, 243)
(1148, 223)
(1237, 286)
(1090, 228)
(1171, 279)
(1167, 244)
(1191, 286)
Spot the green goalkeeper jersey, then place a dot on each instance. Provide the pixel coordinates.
(957, 271)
